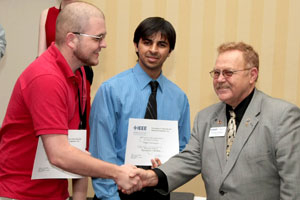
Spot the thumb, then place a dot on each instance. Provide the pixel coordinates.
(133, 173)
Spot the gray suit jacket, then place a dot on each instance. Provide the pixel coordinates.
(264, 163)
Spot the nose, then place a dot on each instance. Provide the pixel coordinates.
(153, 48)
(102, 43)
(221, 78)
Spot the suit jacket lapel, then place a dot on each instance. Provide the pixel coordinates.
(246, 127)
(220, 144)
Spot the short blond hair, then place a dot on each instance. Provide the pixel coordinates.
(251, 57)
(74, 18)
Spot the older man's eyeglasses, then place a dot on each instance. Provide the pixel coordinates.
(226, 73)
(97, 38)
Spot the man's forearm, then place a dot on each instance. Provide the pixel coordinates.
(61, 154)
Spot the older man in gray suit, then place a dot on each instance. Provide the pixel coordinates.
(255, 156)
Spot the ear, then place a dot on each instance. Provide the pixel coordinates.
(71, 40)
(253, 74)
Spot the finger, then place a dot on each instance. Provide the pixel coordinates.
(154, 164)
(130, 166)
(158, 161)
(140, 185)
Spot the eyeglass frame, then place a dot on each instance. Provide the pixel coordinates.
(223, 72)
(97, 37)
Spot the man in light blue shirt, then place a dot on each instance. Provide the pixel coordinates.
(126, 96)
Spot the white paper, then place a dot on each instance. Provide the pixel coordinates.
(199, 198)
(148, 139)
(217, 131)
(42, 168)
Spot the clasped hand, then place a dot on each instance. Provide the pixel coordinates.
(134, 179)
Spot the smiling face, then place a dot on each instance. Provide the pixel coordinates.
(152, 52)
(88, 48)
(234, 89)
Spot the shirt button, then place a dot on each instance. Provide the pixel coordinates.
(222, 192)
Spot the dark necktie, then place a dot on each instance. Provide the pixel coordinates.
(151, 111)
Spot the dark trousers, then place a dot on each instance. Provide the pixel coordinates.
(145, 194)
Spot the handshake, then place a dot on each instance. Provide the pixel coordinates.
(131, 179)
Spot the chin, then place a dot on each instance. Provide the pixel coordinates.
(223, 97)
(94, 64)
(91, 63)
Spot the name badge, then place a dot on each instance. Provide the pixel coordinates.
(217, 131)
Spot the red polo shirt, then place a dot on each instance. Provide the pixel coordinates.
(44, 101)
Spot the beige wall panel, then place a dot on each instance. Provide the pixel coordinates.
(182, 44)
(244, 21)
(231, 19)
(266, 52)
(219, 23)
(256, 23)
(195, 69)
(280, 46)
(207, 46)
(161, 7)
(291, 77)
(148, 9)
(123, 45)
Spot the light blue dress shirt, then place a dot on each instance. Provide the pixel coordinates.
(126, 96)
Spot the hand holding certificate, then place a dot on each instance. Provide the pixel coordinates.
(148, 139)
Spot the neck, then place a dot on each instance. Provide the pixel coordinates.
(154, 73)
(69, 56)
(246, 96)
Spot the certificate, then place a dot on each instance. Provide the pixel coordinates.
(42, 169)
(148, 139)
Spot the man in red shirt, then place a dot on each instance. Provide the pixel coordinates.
(45, 104)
